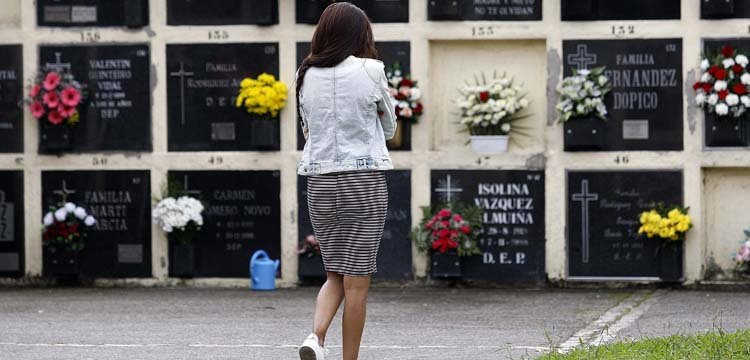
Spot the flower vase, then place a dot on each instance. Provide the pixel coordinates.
(489, 144)
(55, 138)
(264, 134)
(671, 261)
(311, 267)
(61, 263)
(182, 254)
(584, 134)
(397, 141)
(726, 131)
(446, 265)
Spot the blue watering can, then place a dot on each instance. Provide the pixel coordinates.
(263, 271)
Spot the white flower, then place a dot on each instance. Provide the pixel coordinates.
(49, 219)
(745, 100)
(415, 94)
(584, 72)
(745, 78)
(523, 102)
(741, 59)
(70, 207)
(80, 213)
(61, 214)
(732, 99)
(505, 127)
(705, 65)
(89, 221)
(722, 109)
(720, 85)
(700, 99)
(706, 77)
(727, 62)
(602, 80)
(713, 99)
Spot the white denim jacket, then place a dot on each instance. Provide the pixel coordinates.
(347, 115)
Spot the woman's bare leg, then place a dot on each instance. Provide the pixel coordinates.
(355, 310)
(329, 299)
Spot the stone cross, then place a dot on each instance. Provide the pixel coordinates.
(182, 74)
(585, 197)
(446, 188)
(582, 58)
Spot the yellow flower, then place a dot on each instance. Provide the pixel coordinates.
(674, 214)
(644, 217)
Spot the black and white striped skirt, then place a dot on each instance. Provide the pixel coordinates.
(347, 211)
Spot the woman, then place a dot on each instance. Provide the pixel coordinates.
(346, 114)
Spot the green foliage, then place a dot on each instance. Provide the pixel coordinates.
(713, 345)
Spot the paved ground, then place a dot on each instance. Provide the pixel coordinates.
(402, 323)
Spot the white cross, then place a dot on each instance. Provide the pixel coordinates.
(58, 65)
(64, 191)
(447, 189)
(584, 197)
(187, 190)
(181, 74)
(582, 59)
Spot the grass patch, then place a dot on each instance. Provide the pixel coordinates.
(713, 345)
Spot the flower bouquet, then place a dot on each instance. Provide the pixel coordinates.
(181, 218)
(263, 98)
(581, 108)
(742, 258)
(310, 261)
(488, 110)
(54, 98)
(722, 92)
(670, 225)
(448, 234)
(63, 237)
(407, 95)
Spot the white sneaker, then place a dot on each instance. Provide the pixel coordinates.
(310, 349)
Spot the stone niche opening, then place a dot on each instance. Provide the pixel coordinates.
(10, 16)
(454, 61)
(725, 192)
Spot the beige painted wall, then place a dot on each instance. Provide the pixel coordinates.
(432, 45)
(727, 199)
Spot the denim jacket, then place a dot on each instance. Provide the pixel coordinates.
(347, 115)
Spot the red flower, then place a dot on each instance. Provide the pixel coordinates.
(697, 85)
(484, 96)
(465, 229)
(446, 223)
(739, 89)
(727, 51)
(444, 233)
(66, 111)
(35, 90)
(737, 68)
(707, 87)
(37, 109)
(70, 96)
(444, 244)
(457, 218)
(51, 99)
(406, 82)
(54, 118)
(720, 74)
(51, 81)
(723, 94)
(418, 109)
(713, 69)
(444, 213)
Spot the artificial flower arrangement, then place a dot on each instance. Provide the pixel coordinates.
(181, 217)
(55, 96)
(309, 247)
(263, 96)
(723, 85)
(668, 223)
(491, 108)
(451, 227)
(65, 228)
(582, 94)
(406, 92)
(488, 111)
(742, 257)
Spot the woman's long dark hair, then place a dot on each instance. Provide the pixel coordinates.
(343, 30)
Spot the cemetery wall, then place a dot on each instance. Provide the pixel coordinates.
(124, 161)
